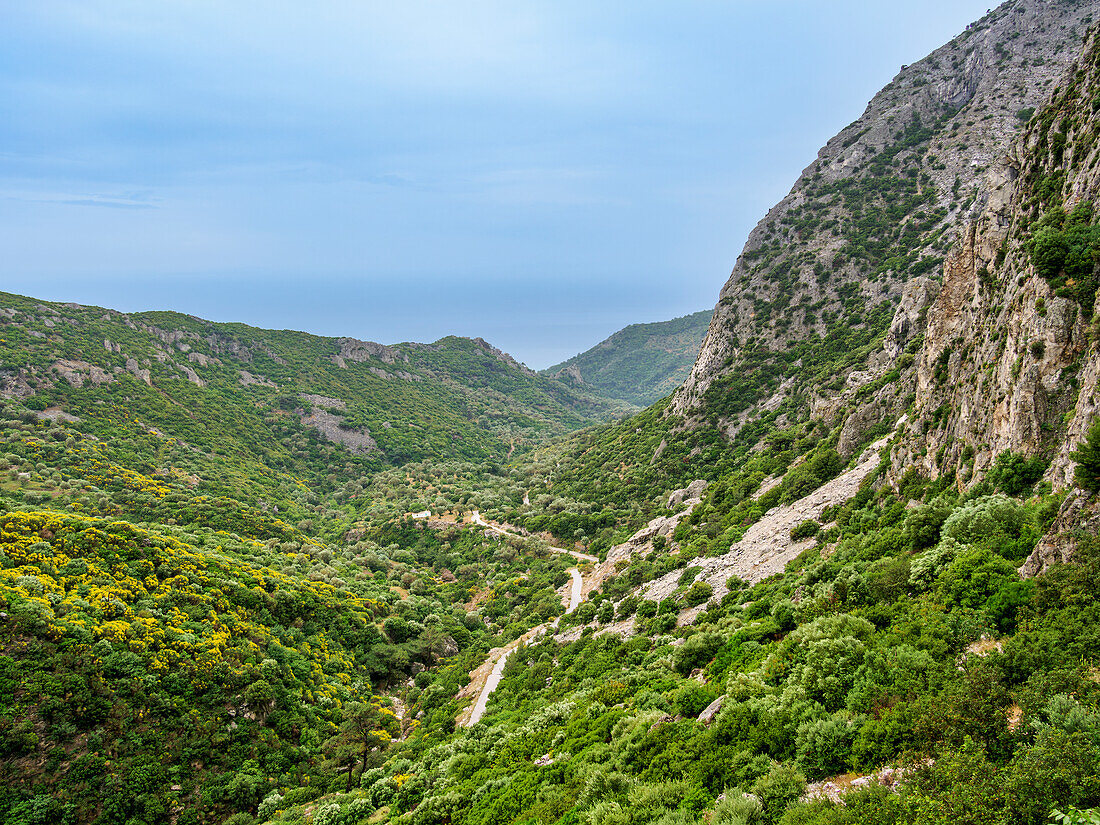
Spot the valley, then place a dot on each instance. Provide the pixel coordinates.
(826, 555)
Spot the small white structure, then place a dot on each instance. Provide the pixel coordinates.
(423, 514)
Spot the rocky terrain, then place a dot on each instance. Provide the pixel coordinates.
(767, 546)
(879, 208)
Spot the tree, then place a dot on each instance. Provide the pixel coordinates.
(365, 727)
(1087, 456)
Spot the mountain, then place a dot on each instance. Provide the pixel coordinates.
(640, 363)
(866, 227)
(261, 399)
(830, 288)
(849, 572)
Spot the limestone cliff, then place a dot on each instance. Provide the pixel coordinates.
(852, 254)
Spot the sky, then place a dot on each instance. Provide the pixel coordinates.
(537, 173)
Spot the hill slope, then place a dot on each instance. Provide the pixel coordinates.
(265, 402)
(882, 608)
(640, 363)
(830, 289)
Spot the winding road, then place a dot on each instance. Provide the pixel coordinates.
(503, 653)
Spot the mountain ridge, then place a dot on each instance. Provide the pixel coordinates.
(639, 363)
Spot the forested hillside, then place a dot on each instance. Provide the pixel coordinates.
(640, 363)
(229, 389)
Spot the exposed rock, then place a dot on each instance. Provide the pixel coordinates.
(224, 345)
(693, 490)
(766, 547)
(1079, 512)
(711, 710)
(134, 368)
(355, 350)
(201, 360)
(1006, 362)
(192, 376)
(660, 526)
(57, 414)
(572, 372)
(856, 426)
(329, 426)
(14, 384)
(78, 372)
(967, 94)
(909, 316)
(323, 401)
(248, 380)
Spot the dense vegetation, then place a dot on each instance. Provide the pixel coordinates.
(267, 404)
(904, 637)
(143, 616)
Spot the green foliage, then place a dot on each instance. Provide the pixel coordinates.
(1015, 475)
(1087, 456)
(640, 363)
(1075, 816)
(805, 530)
(778, 788)
(1065, 250)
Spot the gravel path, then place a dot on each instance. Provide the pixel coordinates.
(501, 654)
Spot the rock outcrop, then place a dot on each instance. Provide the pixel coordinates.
(353, 349)
(946, 124)
(767, 547)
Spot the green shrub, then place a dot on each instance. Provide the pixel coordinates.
(1087, 456)
(1065, 250)
(807, 529)
(698, 593)
(824, 745)
(778, 788)
(1012, 473)
(696, 651)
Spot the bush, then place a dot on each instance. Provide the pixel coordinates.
(735, 809)
(692, 699)
(1015, 475)
(973, 578)
(1064, 251)
(984, 517)
(778, 788)
(922, 525)
(824, 745)
(807, 529)
(696, 651)
(698, 593)
(1087, 456)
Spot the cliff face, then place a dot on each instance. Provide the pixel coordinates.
(919, 184)
(1008, 361)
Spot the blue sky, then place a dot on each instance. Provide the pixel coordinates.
(536, 173)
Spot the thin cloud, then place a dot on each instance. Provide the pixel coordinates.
(83, 199)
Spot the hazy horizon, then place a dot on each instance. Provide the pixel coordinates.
(538, 176)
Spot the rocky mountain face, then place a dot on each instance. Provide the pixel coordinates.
(853, 255)
(1009, 360)
(640, 363)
